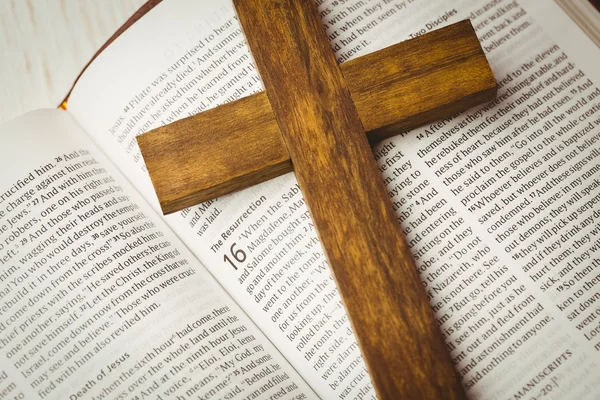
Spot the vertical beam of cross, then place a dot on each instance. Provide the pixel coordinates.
(377, 279)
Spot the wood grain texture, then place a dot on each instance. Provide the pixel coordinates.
(394, 89)
(214, 153)
(377, 279)
(420, 80)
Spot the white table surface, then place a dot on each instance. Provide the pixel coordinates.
(44, 44)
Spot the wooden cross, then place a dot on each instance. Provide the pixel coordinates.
(312, 119)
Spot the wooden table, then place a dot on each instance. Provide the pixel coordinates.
(44, 44)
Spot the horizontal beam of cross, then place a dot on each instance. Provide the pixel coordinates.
(395, 89)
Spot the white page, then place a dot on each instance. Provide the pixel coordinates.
(279, 228)
(98, 298)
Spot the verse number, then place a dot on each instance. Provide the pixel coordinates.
(238, 255)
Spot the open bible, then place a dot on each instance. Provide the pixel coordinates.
(101, 297)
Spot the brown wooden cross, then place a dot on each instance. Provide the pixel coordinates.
(312, 119)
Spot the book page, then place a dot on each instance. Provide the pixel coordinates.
(98, 298)
(499, 204)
